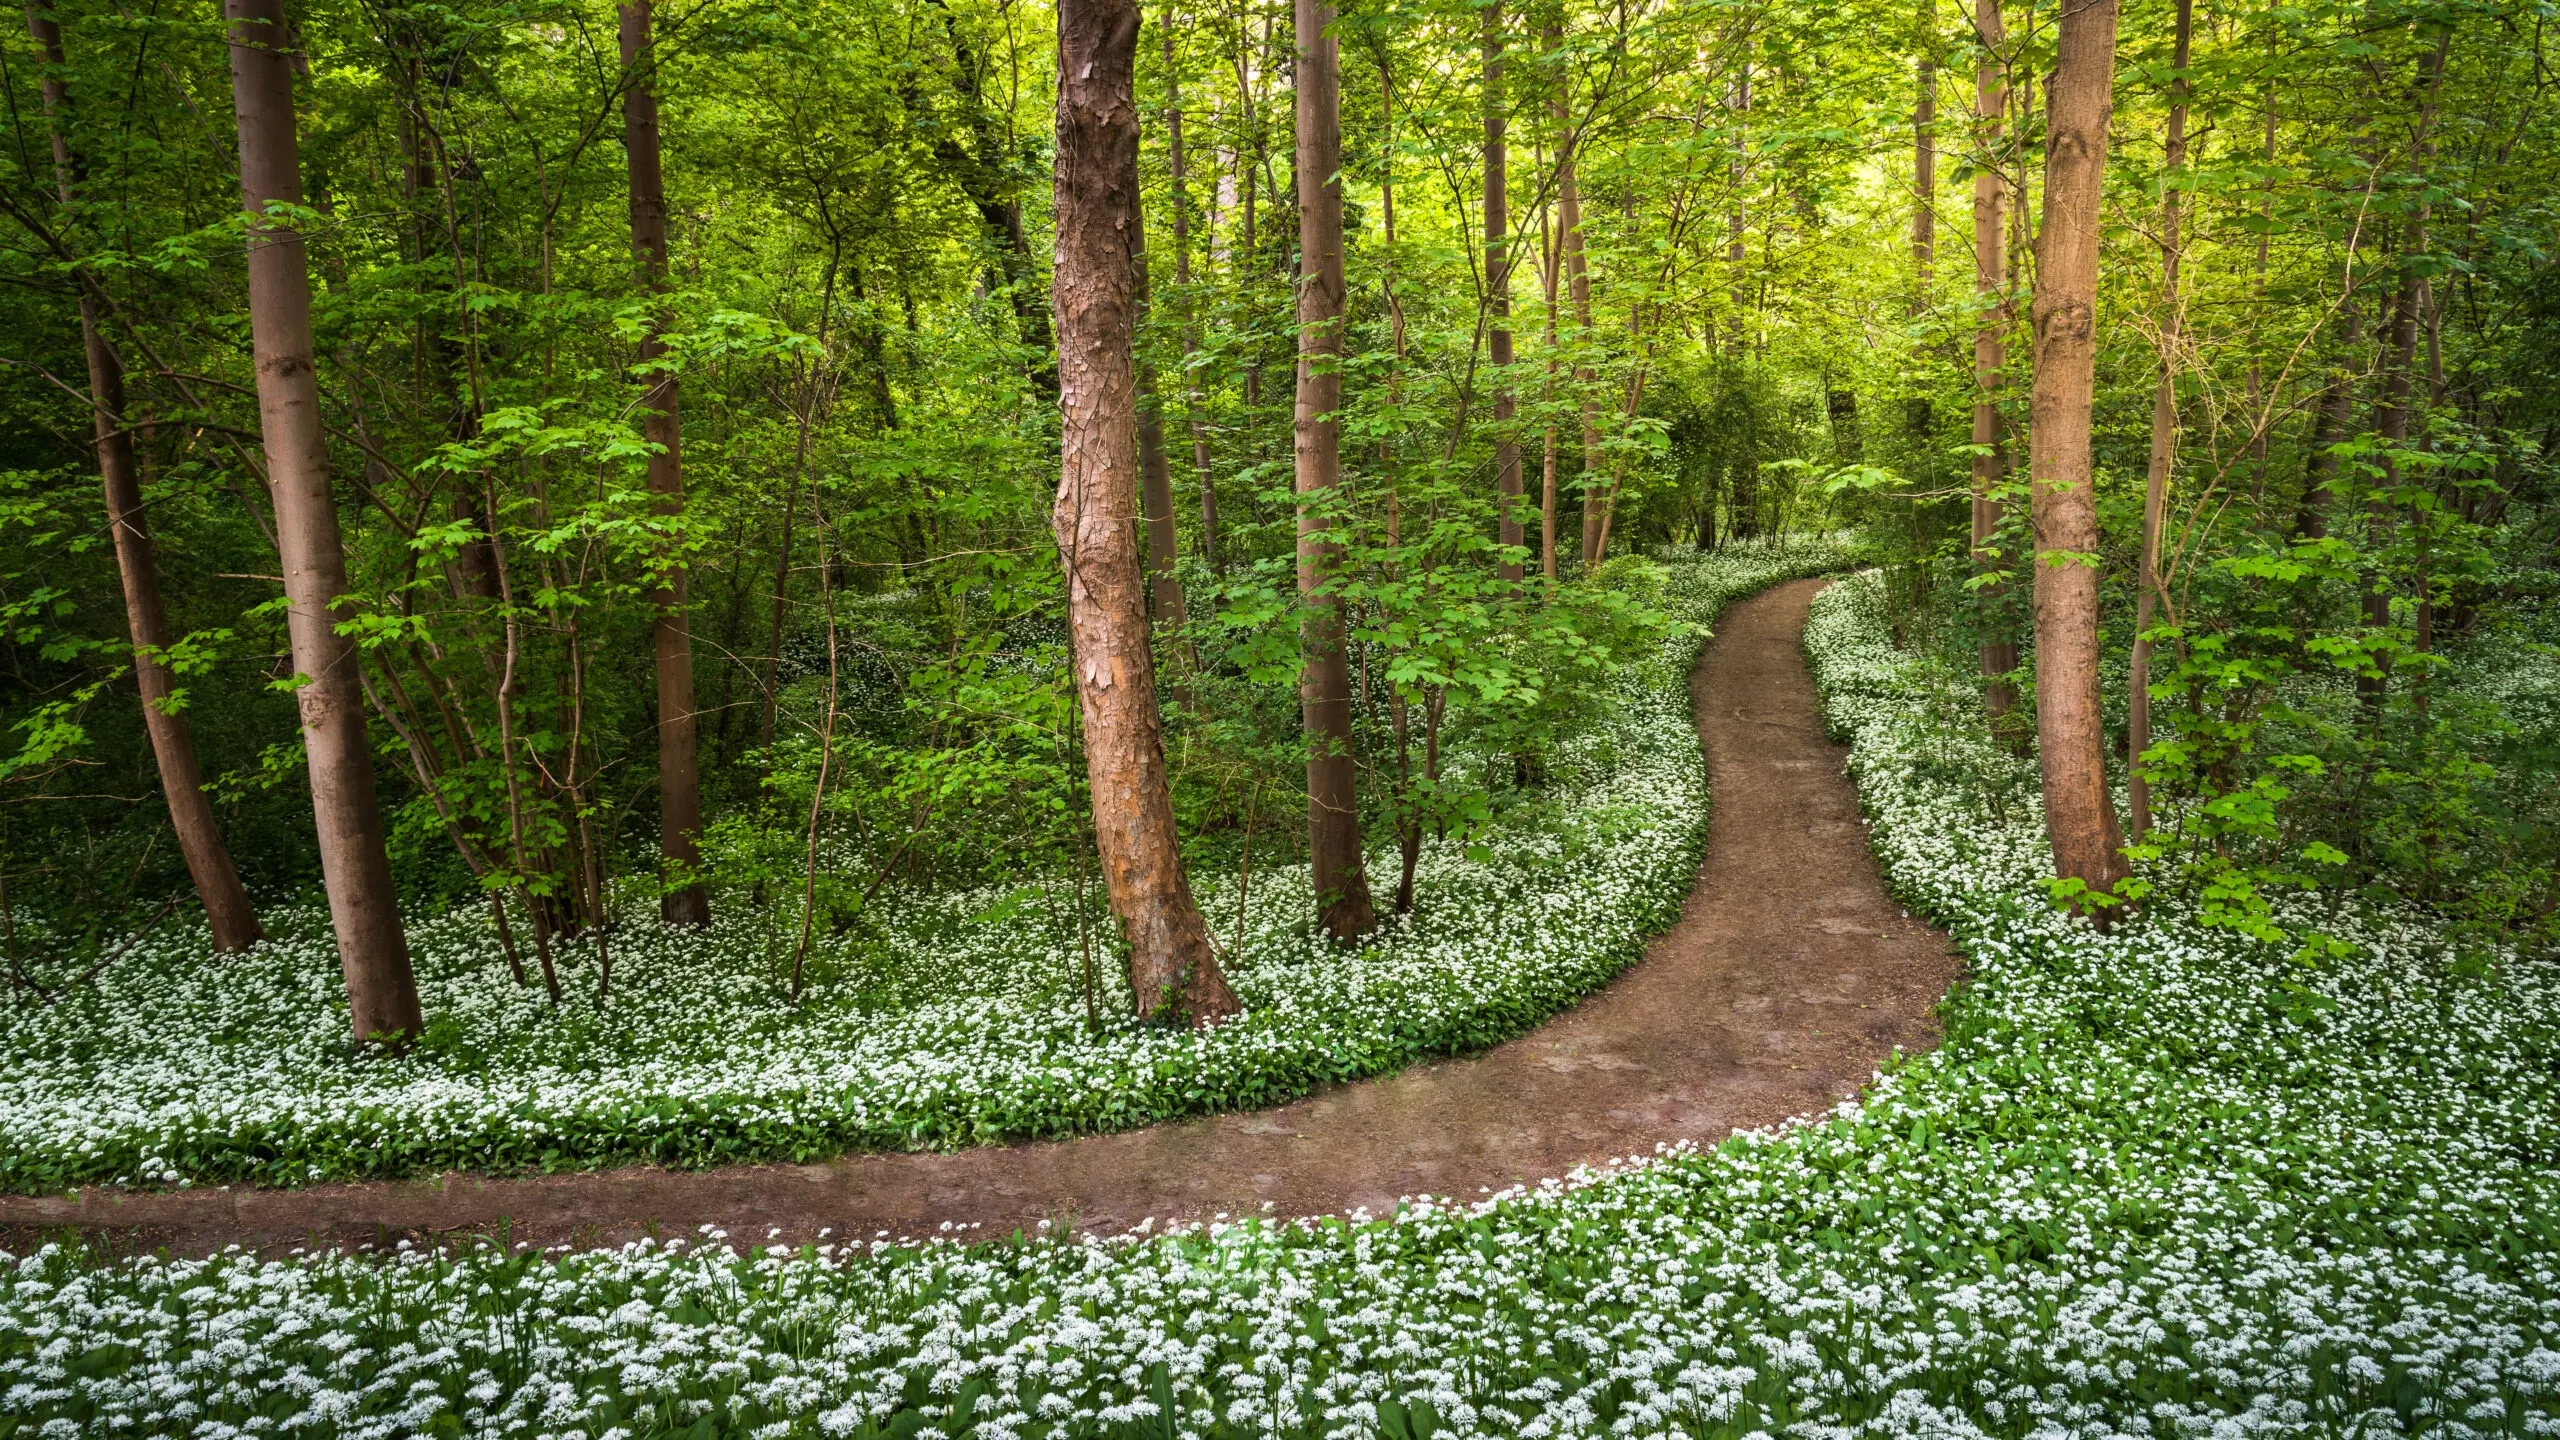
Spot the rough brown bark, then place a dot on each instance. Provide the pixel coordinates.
(373, 952)
(679, 764)
(2164, 443)
(1497, 280)
(1324, 685)
(226, 905)
(2080, 816)
(1997, 655)
(1172, 971)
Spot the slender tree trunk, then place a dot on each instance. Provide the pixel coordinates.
(2164, 441)
(2328, 424)
(1497, 278)
(2258, 417)
(679, 765)
(1917, 412)
(1324, 687)
(226, 904)
(1998, 653)
(1738, 170)
(2080, 816)
(1550, 271)
(985, 173)
(1182, 281)
(373, 953)
(2399, 367)
(1155, 479)
(1172, 971)
(1577, 275)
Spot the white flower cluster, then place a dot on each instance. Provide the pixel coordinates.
(2151, 1186)
(954, 1020)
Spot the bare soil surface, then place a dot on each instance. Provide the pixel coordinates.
(1790, 977)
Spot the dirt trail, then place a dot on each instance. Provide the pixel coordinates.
(1790, 976)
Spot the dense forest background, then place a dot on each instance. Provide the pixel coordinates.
(1759, 270)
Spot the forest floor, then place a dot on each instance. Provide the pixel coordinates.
(1790, 977)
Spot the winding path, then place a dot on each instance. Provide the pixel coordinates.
(1790, 976)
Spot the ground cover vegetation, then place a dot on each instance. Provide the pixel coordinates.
(561, 464)
(2148, 1186)
(963, 1017)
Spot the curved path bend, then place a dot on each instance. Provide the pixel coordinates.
(1790, 977)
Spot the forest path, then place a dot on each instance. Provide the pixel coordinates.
(1790, 977)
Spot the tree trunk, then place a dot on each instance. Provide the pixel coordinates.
(226, 904)
(2328, 424)
(1577, 277)
(2164, 442)
(2399, 366)
(1324, 687)
(1997, 656)
(2080, 816)
(373, 953)
(1182, 280)
(1155, 478)
(1918, 414)
(1497, 279)
(679, 765)
(1738, 169)
(984, 173)
(1172, 971)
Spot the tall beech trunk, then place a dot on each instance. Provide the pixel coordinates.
(2080, 817)
(1324, 685)
(1172, 972)
(1997, 655)
(1190, 331)
(1497, 279)
(2164, 441)
(679, 764)
(217, 880)
(373, 953)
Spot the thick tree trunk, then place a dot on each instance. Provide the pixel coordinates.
(1998, 654)
(2080, 816)
(373, 953)
(226, 904)
(2164, 442)
(1324, 686)
(679, 764)
(1182, 279)
(1172, 972)
(1497, 278)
